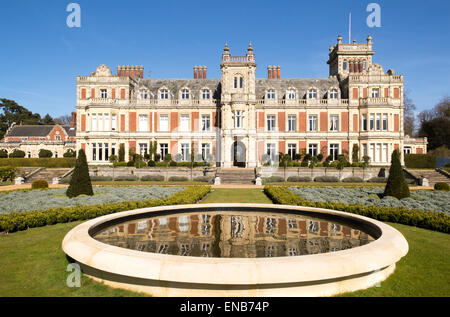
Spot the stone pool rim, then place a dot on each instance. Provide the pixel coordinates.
(375, 256)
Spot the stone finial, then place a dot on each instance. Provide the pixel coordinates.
(369, 40)
(226, 49)
(354, 41)
(250, 48)
(339, 39)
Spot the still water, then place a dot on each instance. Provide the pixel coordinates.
(234, 235)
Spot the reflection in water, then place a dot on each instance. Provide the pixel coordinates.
(234, 234)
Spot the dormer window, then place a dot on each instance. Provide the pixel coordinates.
(291, 94)
(312, 94)
(103, 93)
(345, 65)
(206, 94)
(238, 82)
(164, 94)
(334, 94)
(185, 94)
(271, 94)
(143, 94)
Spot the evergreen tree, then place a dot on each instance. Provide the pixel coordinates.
(396, 184)
(80, 182)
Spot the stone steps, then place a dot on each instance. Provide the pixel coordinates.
(48, 174)
(236, 176)
(433, 176)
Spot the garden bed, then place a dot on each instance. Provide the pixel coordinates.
(41, 216)
(17, 201)
(433, 220)
(420, 199)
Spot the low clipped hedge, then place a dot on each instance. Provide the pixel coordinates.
(326, 179)
(18, 221)
(126, 178)
(437, 221)
(298, 179)
(442, 186)
(378, 180)
(39, 184)
(420, 161)
(353, 179)
(154, 178)
(39, 162)
(205, 179)
(272, 179)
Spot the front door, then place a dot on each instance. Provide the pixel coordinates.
(238, 153)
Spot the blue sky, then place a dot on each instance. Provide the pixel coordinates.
(40, 56)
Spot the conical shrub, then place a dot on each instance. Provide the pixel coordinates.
(81, 182)
(396, 185)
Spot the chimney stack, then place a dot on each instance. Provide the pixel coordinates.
(73, 122)
(274, 72)
(269, 72)
(200, 72)
(130, 71)
(278, 72)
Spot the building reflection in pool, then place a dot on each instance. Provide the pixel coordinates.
(234, 235)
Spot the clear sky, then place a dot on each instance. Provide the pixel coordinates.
(40, 56)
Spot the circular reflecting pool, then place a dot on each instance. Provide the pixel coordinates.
(234, 234)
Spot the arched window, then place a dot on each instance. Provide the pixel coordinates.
(291, 94)
(345, 65)
(333, 94)
(364, 65)
(271, 94)
(206, 93)
(164, 94)
(185, 94)
(312, 94)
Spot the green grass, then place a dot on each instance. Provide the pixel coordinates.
(32, 262)
(424, 271)
(241, 195)
(6, 183)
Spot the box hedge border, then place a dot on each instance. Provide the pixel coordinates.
(437, 221)
(18, 221)
(63, 162)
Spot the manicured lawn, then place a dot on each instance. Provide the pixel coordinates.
(241, 195)
(424, 271)
(6, 183)
(33, 264)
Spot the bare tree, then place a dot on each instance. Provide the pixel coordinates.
(408, 116)
(63, 120)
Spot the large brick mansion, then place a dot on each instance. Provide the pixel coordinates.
(237, 118)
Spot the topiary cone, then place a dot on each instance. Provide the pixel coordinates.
(81, 182)
(396, 185)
